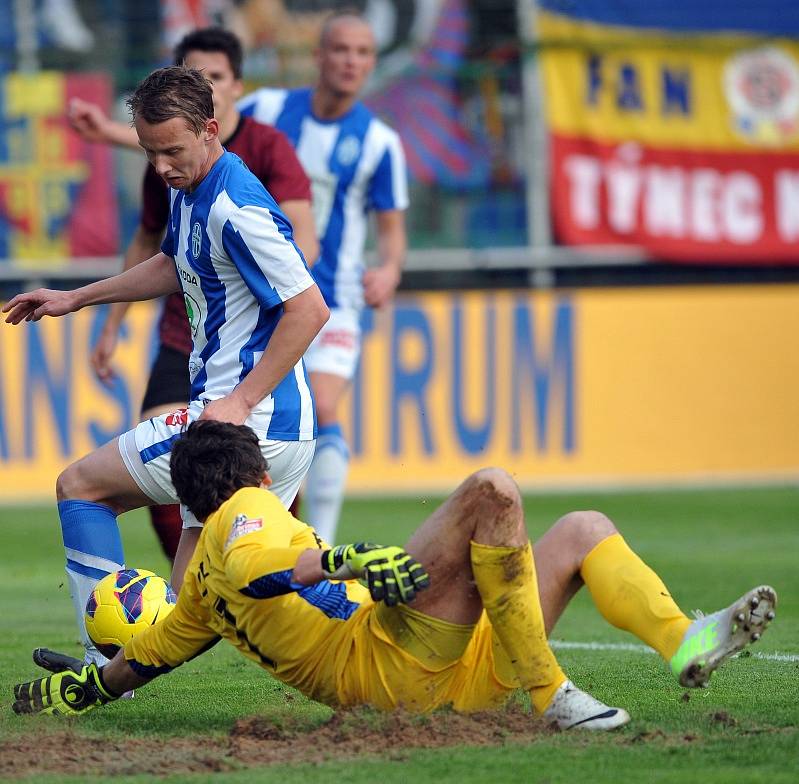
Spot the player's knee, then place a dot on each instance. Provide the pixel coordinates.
(325, 412)
(73, 484)
(587, 528)
(69, 484)
(497, 487)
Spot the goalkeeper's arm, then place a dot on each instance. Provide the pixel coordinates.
(392, 575)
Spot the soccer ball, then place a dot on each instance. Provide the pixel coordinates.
(122, 604)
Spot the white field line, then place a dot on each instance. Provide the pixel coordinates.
(638, 648)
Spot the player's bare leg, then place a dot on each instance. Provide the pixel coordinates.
(91, 493)
(585, 548)
(477, 553)
(560, 553)
(101, 477)
(327, 476)
(165, 518)
(186, 545)
(485, 508)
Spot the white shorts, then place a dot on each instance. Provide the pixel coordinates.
(337, 347)
(146, 451)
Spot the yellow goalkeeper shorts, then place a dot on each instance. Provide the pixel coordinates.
(403, 658)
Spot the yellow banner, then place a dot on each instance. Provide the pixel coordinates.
(53, 409)
(615, 84)
(596, 386)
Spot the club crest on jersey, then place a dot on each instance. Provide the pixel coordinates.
(196, 240)
(193, 312)
(348, 150)
(195, 366)
(243, 525)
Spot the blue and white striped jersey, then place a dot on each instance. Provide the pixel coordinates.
(237, 263)
(355, 164)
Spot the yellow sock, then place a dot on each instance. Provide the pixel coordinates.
(505, 577)
(632, 597)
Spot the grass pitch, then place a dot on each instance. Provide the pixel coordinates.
(222, 719)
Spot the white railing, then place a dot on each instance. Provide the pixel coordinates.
(428, 260)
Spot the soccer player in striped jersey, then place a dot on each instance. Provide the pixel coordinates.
(357, 166)
(253, 310)
(269, 156)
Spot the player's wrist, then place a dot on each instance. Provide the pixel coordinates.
(336, 563)
(96, 293)
(242, 396)
(308, 569)
(111, 326)
(393, 269)
(107, 694)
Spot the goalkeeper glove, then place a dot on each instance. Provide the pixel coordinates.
(392, 576)
(63, 694)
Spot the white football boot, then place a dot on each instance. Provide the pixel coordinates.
(711, 639)
(572, 708)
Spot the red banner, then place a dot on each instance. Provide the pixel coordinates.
(682, 141)
(679, 204)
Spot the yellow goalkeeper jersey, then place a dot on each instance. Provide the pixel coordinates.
(238, 586)
(329, 640)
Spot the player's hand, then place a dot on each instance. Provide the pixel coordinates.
(230, 408)
(35, 304)
(391, 574)
(53, 661)
(379, 285)
(100, 357)
(63, 694)
(88, 120)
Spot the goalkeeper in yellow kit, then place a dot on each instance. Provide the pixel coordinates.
(458, 617)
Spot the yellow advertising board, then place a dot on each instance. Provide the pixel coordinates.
(568, 388)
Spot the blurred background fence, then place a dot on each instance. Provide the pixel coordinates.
(557, 144)
(666, 127)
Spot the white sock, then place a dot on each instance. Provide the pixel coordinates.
(324, 485)
(80, 588)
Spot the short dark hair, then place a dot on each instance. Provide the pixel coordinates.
(171, 92)
(211, 461)
(212, 39)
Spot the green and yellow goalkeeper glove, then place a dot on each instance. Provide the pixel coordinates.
(63, 694)
(391, 574)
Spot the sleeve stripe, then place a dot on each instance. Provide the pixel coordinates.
(263, 254)
(388, 189)
(271, 585)
(148, 670)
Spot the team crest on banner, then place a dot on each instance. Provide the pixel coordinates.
(196, 240)
(243, 525)
(762, 89)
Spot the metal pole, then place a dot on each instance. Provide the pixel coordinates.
(539, 228)
(25, 29)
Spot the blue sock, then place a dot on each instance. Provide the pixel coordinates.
(93, 548)
(324, 485)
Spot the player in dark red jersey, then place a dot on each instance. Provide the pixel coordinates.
(270, 156)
